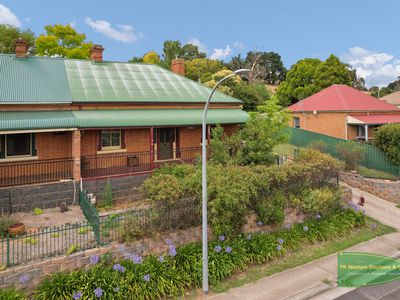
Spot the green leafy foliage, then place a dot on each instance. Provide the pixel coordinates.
(218, 149)
(318, 145)
(107, 197)
(202, 69)
(72, 249)
(323, 201)
(171, 276)
(387, 138)
(38, 211)
(311, 75)
(351, 153)
(174, 49)
(151, 58)
(163, 188)
(9, 34)
(271, 209)
(12, 293)
(63, 41)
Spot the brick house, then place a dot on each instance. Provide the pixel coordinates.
(343, 112)
(63, 119)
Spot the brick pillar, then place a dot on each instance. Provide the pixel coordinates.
(151, 148)
(76, 154)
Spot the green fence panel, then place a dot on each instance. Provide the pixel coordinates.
(91, 214)
(373, 158)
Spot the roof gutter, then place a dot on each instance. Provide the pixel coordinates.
(37, 130)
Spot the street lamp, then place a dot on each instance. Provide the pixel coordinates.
(204, 179)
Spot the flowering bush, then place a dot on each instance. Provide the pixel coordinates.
(271, 210)
(170, 275)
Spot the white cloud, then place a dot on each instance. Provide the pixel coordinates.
(376, 68)
(238, 45)
(121, 33)
(202, 47)
(7, 17)
(220, 53)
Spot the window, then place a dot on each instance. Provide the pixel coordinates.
(111, 139)
(18, 144)
(360, 131)
(296, 122)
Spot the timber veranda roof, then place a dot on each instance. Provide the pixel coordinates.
(42, 80)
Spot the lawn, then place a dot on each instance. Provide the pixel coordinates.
(284, 149)
(304, 255)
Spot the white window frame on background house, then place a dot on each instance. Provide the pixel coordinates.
(296, 122)
(6, 150)
(110, 145)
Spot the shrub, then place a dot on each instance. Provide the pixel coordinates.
(171, 275)
(271, 210)
(219, 152)
(163, 188)
(38, 211)
(351, 152)
(107, 198)
(11, 293)
(318, 145)
(5, 222)
(321, 201)
(387, 138)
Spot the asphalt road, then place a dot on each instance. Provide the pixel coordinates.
(388, 291)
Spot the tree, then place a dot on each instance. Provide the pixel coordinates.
(171, 50)
(190, 51)
(310, 75)
(267, 66)
(151, 58)
(202, 68)
(261, 133)
(136, 59)
(63, 41)
(252, 95)
(9, 34)
(387, 138)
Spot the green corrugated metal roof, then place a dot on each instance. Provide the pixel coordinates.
(30, 120)
(33, 80)
(26, 120)
(131, 82)
(156, 117)
(56, 80)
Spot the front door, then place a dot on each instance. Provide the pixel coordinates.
(165, 142)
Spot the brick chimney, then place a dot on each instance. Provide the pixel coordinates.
(96, 53)
(178, 66)
(21, 48)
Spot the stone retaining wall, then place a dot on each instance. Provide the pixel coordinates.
(385, 189)
(26, 198)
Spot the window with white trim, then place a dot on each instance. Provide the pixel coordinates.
(111, 139)
(18, 145)
(296, 122)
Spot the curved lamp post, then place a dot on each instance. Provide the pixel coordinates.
(204, 179)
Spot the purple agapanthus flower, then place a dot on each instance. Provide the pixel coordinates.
(259, 223)
(228, 249)
(136, 259)
(373, 226)
(218, 248)
(288, 226)
(77, 295)
(172, 251)
(146, 277)
(119, 268)
(305, 228)
(94, 259)
(169, 242)
(116, 289)
(318, 216)
(221, 238)
(24, 278)
(161, 258)
(98, 292)
(279, 247)
(280, 241)
(249, 237)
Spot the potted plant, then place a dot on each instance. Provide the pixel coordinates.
(16, 229)
(5, 222)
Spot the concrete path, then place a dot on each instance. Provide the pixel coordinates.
(306, 281)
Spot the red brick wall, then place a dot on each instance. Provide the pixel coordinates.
(190, 138)
(50, 145)
(137, 140)
(89, 142)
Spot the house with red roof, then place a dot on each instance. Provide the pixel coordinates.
(343, 112)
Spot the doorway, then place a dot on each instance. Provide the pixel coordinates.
(165, 143)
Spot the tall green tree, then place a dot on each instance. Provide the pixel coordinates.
(9, 34)
(202, 69)
(63, 41)
(310, 75)
(190, 51)
(171, 50)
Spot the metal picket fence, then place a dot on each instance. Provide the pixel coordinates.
(373, 157)
(97, 231)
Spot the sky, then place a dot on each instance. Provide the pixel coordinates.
(363, 33)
